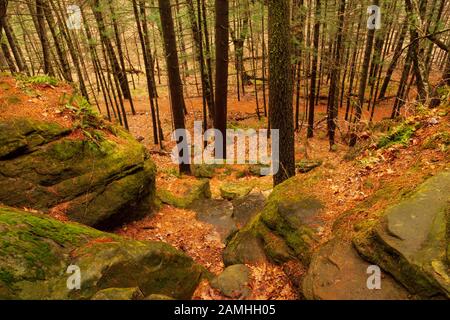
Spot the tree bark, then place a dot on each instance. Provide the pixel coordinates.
(280, 86)
(315, 53)
(173, 70)
(220, 104)
(48, 69)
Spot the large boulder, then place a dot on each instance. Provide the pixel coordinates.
(218, 213)
(287, 228)
(411, 240)
(337, 272)
(36, 251)
(183, 192)
(234, 281)
(48, 167)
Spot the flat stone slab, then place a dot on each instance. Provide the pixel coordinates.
(337, 272)
(412, 242)
(219, 213)
(247, 207)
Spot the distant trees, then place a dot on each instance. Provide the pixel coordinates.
(338, 71)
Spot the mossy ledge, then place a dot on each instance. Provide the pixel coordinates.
(410, 241)
(35, 252)
(44, 167)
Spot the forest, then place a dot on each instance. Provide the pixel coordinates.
(224, 149)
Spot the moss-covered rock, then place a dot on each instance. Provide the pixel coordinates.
(118, 294)
(204, 170)
(36, 251)
(306, 165)
(185, 192)
(411, 239)
(235, 190)
(44, 168)
(286, 228)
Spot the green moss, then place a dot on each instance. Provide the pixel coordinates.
(6, 277)
(234, 190)
(35, 251)
(36, 226)
(282, 226)
(38, 80)
(204, 170)
(196, 190)
(399, 135)
(386, 238)
(306, 165)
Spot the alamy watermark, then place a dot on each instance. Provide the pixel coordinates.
(74, 19)
(243, 147)
(374, 20)
(74, 280)
(374, 280)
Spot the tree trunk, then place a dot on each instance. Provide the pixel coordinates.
(173, 70)
(335, 77)
(280, 86)
(3, 9)
(315, 53)
(43, 37)
(220, 113)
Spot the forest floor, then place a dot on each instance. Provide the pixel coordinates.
(343, 185)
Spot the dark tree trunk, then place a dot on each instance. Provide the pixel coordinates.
(198, 39)
(335, 76)
(312, 99)
(3, 9)
(173, 70)
(21, 65)
(40, 19)
(220, 113)
(280, 86)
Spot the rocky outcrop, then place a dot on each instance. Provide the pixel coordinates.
(36, 251)
(286, 228)
(411, 240)
(45, 166)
